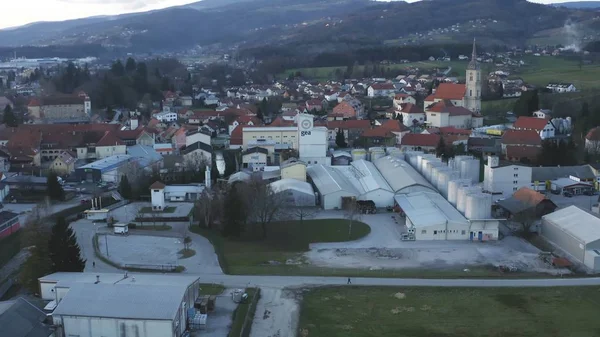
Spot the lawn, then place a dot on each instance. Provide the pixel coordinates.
(150, 210)
(540, 70)
(211, 289)
(450, 312)
(9, 247)
(285, 240)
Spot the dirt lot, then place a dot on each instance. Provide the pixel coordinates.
(383, 249)
(277, 314)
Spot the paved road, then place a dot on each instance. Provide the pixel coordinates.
(299, 281)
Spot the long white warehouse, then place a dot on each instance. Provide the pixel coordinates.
(431, 217)
(402, 177)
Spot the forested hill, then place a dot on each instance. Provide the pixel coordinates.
(305, 25)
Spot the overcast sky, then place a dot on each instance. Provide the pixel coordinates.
(20, 12)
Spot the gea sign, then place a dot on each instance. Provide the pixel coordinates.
(304, 133)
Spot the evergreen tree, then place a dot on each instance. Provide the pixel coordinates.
(234, 213)
(440, 149)
(125, 188)
(9, 116)
(527, 103)
(38, 263)
(400, 118)
(130, 65)
(118, 69)
(53, 188)
(64, 252)
(340, 140)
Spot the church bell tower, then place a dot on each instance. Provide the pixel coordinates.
(473, 83)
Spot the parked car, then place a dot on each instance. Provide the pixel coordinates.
(557, 192)
(589, 192)
(568, 194)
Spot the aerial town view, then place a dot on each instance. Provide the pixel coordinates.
(299, 168)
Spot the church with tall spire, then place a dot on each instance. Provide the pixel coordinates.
(473, 83)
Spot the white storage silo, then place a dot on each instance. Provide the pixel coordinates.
(420, 159)
(376, 153)
(444, 178)
(455, 162)
(358, 154)
(430, 166)
(453, 186)
(411, 157)
(478, 206)
(435, 174)
(469, 169)
(461, 197)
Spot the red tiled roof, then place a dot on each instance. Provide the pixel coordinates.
(245, 120)
(593, 134)
(420, 139)
(34, 102)
(450, 91)
(529, 152)
(281, 122)
(237, 136)
(394, 125)
(531, 123)
(458, 111)
(109, 139)
(410, 108)
(378, 132)
(451, 130)
(440, 106)
(529, 196)
(349, 124)
(383, 86)
(157, 185)
(521, 137)
(449, 139)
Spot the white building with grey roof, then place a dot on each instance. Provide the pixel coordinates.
(113, 305)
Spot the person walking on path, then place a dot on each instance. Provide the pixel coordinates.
(349, 282)
(94, 264)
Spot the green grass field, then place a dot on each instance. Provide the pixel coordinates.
(285, 240)
(538, 70)
(450, 312)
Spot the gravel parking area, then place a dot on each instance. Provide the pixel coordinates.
(140, 249)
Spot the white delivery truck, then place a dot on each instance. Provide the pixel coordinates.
(121, 228)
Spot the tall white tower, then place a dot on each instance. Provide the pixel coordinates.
(473, 83)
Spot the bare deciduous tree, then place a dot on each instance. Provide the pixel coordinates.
(264, 205)
(303, 209)
(352, 214)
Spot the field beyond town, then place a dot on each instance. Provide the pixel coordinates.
(450, 312)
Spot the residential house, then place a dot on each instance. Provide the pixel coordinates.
(196, 155)
(186, 101)
(443, 114)
(543, 113)
(411, 114)
(400, 99)
(381, 90)
(255, 158)
(378, 136)
(542, 126)
(592, 140)
(139, 136)
(60, 107)
(521, 145)
(397, 128)
(350, 109)
(314, 104)
(244, 120)
(352, 130)
(64, 164)
(166, 116)
(419, 142)
(561, 87)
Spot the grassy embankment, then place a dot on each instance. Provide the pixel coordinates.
(450, 312)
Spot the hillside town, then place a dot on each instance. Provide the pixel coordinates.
(409, 165)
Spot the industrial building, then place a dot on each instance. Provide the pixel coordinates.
(331, 186)
(502, 180)
(369, 182)
(20, 318)
(110, 304)
(296, 192)
(107, 169)
(401, 177)
(431, 217)
(576, 232)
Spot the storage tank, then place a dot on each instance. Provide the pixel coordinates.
(430, 166)
(376, 153)
(358, 154)
(453, 186)
(479, 206)
(411, 157)
(420, 158)
(469, 169)
(461, 197)
(444, 178)
(454, 163)
(435, 174)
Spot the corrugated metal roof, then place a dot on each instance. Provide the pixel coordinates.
(400, 175)
(576, 222)
(328, 180)
(294, 184)
(364, 176)
(555, 172)
(428, 208)
(126, 301)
